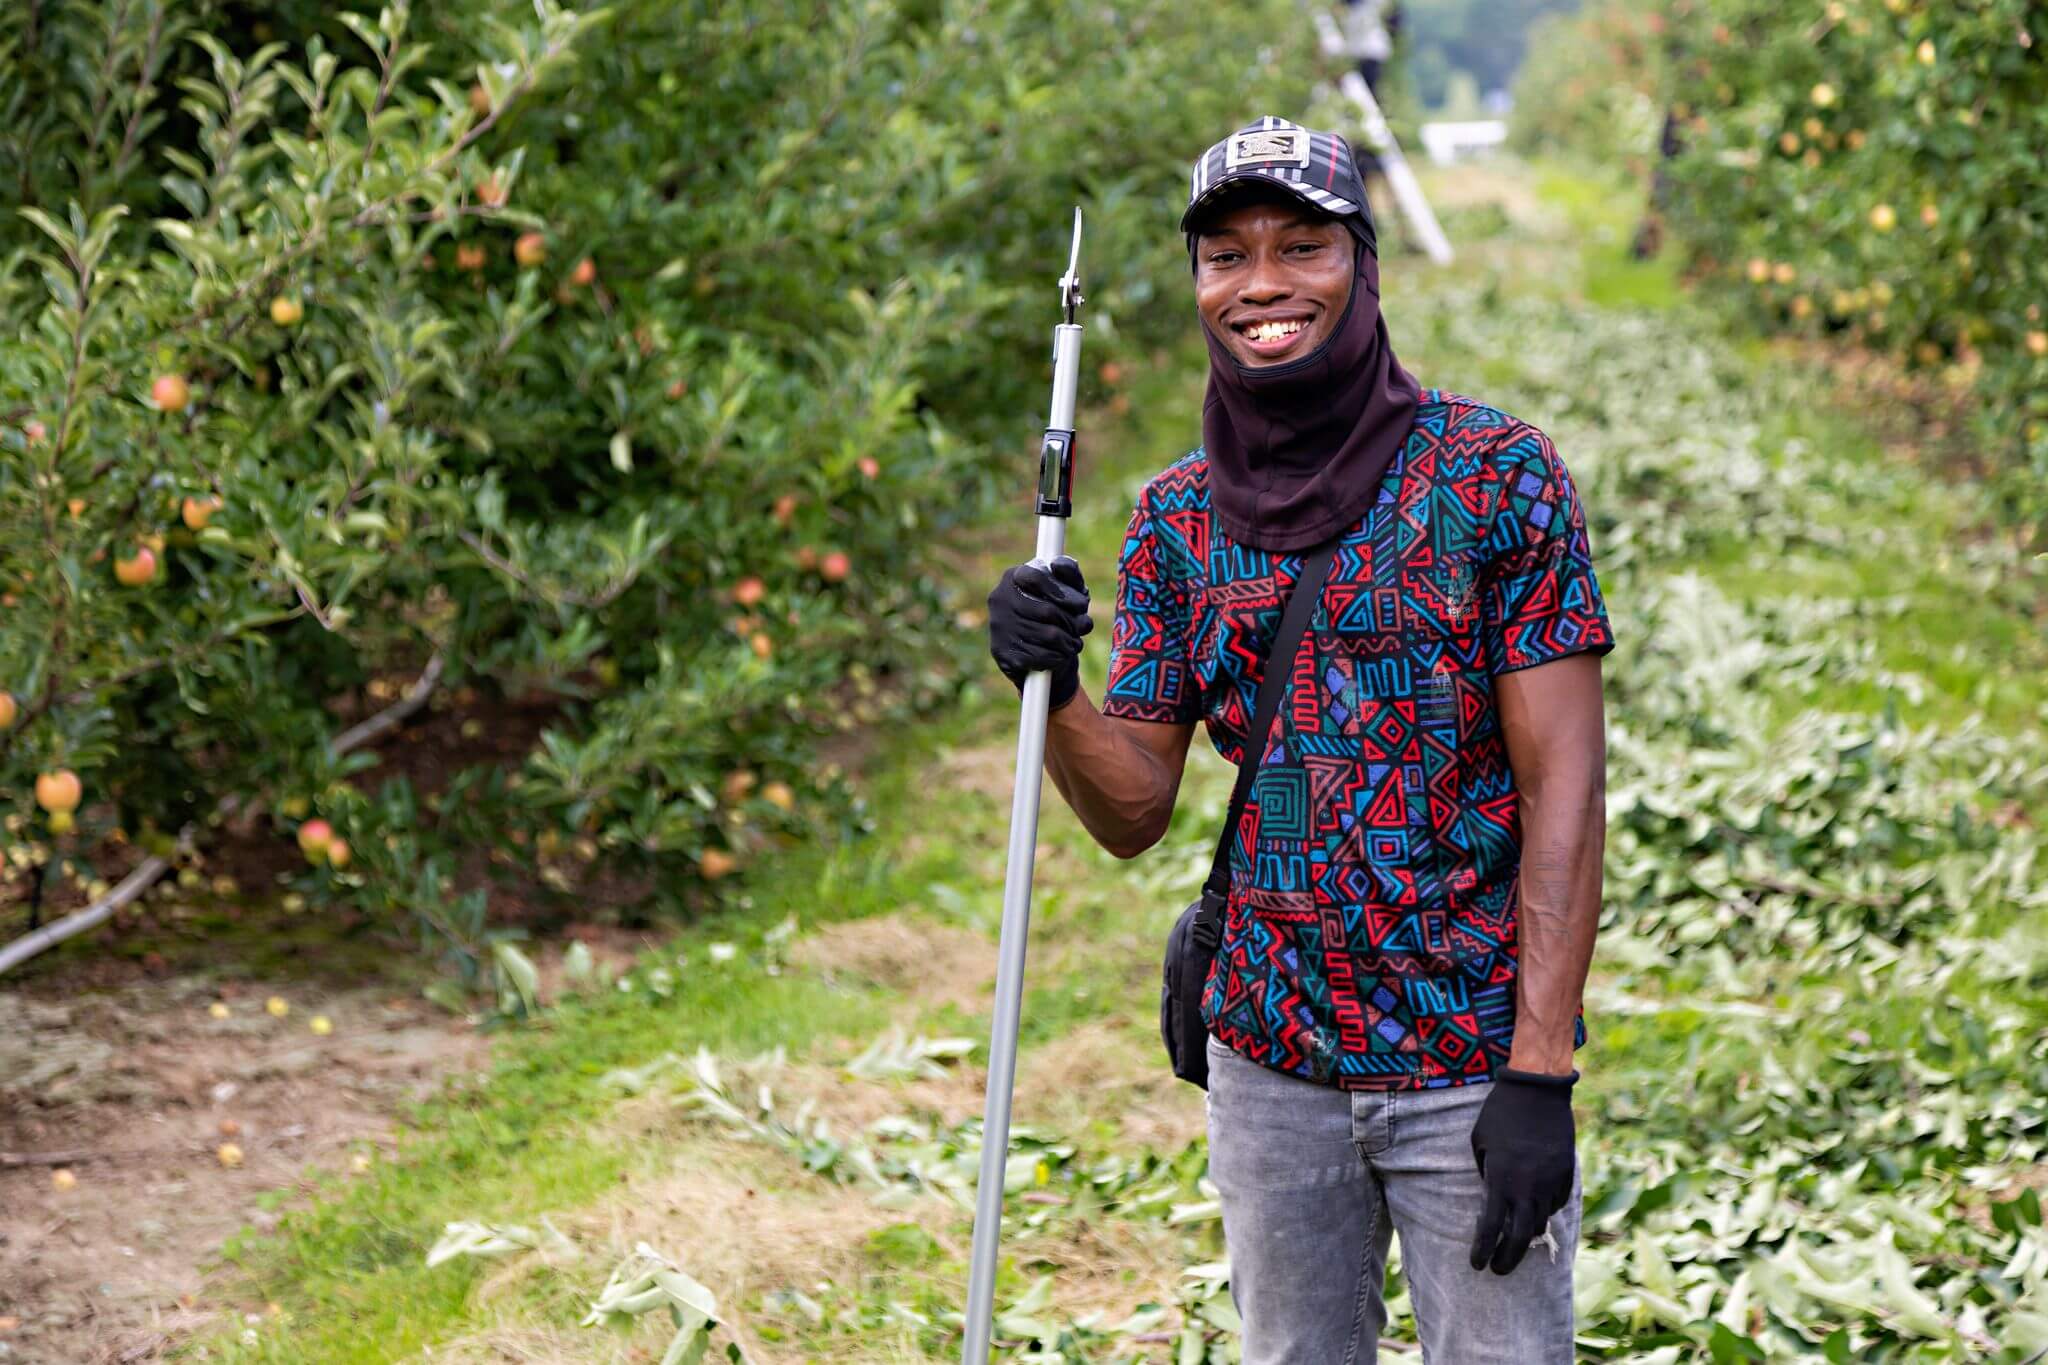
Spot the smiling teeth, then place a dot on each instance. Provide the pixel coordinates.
(1272, 331)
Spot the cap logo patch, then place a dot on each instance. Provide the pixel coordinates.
(1285, 145)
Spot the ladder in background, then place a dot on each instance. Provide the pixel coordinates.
(1429, 234)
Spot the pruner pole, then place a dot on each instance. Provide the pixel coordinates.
(1055, 506)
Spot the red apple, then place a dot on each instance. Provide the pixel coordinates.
(835, 566)
(138, 570)
(9, 711)
(585, 272)
(531, 249)
(59, 792)
(170, 392)
(748, 592)
(314, 838)
(196, 512)
(785, 509)
(338, 853)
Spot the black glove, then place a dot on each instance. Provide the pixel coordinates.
(1036, 618)
(1523, 1143)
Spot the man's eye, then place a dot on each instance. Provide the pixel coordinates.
(1306, 248)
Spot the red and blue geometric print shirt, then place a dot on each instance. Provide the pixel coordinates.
(1370, 941)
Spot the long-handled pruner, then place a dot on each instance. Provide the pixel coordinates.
(1055, 505)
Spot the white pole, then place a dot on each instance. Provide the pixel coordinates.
(1055, 477)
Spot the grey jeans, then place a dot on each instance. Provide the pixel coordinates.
(1316, 1182)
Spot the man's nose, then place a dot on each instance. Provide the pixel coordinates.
(1265, 282)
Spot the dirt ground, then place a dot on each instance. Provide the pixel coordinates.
(117, 1101)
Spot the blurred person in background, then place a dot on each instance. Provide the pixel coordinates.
(1369, 28)
(1393, 1006)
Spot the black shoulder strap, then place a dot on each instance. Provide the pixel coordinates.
(1301, 605)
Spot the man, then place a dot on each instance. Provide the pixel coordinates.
(1415, 882)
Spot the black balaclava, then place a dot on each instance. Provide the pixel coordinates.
(1297, 452)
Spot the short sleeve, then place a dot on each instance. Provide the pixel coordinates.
(1150, 677)
(1542, 600)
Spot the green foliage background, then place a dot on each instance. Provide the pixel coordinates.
(1868, 170)
(822, 243)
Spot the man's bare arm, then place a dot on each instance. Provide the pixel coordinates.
(1554, 721)
(1120, 776)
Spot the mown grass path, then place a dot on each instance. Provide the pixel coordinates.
(1813, 1108)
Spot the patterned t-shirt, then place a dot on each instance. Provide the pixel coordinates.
(1370, 941)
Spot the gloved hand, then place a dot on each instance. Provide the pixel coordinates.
(1036, 618)
(1523, 1143)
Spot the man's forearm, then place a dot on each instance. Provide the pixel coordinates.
(1122, 793)
(1564, 834)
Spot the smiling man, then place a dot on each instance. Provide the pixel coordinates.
(1415, 878)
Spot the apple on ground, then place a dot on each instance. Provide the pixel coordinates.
(229, 1155)
(716, 863)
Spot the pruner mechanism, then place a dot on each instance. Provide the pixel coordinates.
(1070, 283)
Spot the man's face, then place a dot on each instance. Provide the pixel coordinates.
(1272, 279)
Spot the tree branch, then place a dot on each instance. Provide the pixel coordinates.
(151, 869)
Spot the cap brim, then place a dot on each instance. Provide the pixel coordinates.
(1249, 185)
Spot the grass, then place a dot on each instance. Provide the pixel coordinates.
(1668, 1074)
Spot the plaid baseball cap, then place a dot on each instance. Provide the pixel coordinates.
(1313, 166)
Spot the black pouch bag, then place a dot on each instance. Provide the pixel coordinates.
(1191, 947)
